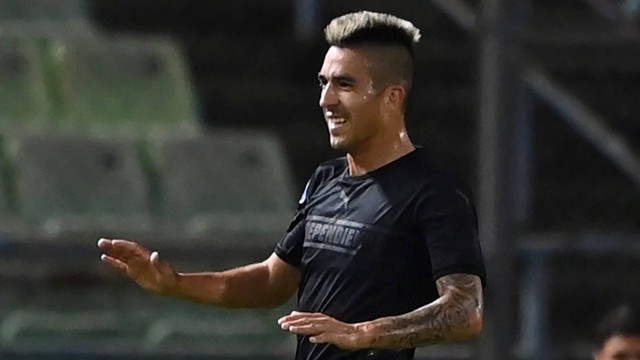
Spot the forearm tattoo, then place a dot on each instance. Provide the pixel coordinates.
(450, 317)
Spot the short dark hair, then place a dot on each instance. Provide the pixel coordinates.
(623, 320)
(366, 27)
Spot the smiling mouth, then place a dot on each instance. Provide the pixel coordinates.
(337, 125)
(336, 120)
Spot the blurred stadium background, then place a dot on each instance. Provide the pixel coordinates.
(192, 126)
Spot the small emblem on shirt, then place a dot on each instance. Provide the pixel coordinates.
(345, 198)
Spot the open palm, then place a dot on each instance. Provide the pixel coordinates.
(138, 263)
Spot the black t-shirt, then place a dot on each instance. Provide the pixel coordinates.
(373, 245)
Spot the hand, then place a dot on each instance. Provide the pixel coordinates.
(141, 265)
(322, 328)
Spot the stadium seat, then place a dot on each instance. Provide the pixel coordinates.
(23, 96)
(222, 331)
(5, 203)
(82, 186)
(44, 18)
(225, 182)
(38, 327)
(12, 225)
(123, 85)
(10, 299)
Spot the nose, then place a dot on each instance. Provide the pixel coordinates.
(328, 96)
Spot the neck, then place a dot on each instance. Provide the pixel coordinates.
(377, 154)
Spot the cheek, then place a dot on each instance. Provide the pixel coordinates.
(365, 105)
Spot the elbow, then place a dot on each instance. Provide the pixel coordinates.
(473, 327)
(476, 328)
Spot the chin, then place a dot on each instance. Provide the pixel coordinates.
(338, 144)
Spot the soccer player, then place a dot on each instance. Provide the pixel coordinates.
(619, 335)
(383, 251)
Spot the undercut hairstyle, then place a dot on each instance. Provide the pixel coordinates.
(391, 37)
(623, 320)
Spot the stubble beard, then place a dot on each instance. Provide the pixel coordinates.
(337, 143)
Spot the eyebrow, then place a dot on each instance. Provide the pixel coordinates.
(346, 78)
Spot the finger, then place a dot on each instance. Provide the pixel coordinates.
(125, 249)
(285, 325)
(104, 244)
(319, 338)
(324, 324)
(309, 330)
(161, 267)
(286, 322)
(156, 265)
(154, 258)
(114, 263)
(307, 314)
(301, 315)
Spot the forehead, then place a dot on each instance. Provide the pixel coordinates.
(342, 61)
(623, 343)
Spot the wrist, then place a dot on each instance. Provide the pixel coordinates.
(367, 334)
(172, 287)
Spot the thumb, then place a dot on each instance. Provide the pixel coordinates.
(159, 267)
(154, 258)
(156, 263)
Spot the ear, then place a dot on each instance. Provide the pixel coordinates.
(395, 96)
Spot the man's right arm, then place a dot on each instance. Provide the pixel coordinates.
(266, 284)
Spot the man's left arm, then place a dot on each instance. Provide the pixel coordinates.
(455, 316)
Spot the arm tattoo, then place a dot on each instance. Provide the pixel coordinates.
(454, 316)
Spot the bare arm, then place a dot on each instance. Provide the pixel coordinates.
(455, 316)
(266, 284)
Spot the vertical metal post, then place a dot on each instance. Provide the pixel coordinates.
(534, 306)
(495, 187)
(523, 162)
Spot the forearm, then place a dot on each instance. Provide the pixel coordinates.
(428, 325)
(455, 316)
(266, 284)
(243, 287)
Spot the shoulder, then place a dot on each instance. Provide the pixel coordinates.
(324, 173)
(436, 181)
(427, 172)
(330, 168)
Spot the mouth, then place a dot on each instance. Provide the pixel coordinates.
(336, 124)
(334, 119)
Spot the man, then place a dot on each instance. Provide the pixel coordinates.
(619, 335)
(383, 250)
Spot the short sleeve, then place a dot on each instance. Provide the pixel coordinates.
(289, 248)
(451, 232)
